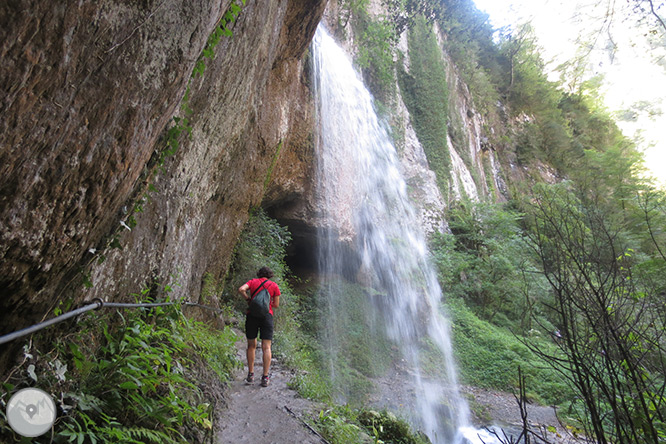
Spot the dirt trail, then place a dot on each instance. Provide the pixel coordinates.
(272, 415)
(261, 415)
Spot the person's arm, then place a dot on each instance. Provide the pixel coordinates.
(276, 301)
(242, 290)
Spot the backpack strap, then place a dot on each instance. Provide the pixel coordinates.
(257, 290)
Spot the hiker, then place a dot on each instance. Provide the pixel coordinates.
(262, 324)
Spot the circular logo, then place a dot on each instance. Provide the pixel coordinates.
(31, 412)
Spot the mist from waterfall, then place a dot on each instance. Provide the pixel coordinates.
(372, 237)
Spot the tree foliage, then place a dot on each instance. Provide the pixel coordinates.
(403, 13)
(611, 332)
(481, 260)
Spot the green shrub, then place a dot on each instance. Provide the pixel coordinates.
(338, 425)
(344, 425)
(388, 428)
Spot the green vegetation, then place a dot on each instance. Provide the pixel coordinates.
(569, 290)
(425, 92)
(375, 58)
(487, 249)
(377, 39)
(221, 30)
(129, 377)
(609, 314)
(342, 425)
(263, 242)
(489, 357)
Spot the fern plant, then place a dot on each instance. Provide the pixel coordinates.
(129, 377)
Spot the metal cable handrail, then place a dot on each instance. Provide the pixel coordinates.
(94, 305)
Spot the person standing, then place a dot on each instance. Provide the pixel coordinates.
(260, 325)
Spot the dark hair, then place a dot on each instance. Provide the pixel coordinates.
(265, 272)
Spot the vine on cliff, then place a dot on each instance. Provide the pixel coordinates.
(426, 96)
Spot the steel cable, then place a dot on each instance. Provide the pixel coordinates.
(96, 304)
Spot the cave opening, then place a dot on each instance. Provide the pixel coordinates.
(302, 250)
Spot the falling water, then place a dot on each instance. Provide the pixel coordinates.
(372, 237)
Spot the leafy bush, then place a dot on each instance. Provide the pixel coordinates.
(388, 428)
(338, 426)
(484, 260)
(343, 425)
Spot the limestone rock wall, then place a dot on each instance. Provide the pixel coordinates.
(88, 90)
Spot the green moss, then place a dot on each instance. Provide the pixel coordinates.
(425, 91)
(376, 42)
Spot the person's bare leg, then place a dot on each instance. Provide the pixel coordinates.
(251, 349)
(266, 352)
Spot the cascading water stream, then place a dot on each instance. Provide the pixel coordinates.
(372, 237)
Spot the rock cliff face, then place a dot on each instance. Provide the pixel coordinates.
(88, 92)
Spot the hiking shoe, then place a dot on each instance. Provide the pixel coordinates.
(264, 381)
(250, 378)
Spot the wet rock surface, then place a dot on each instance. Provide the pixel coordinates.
(501, 409)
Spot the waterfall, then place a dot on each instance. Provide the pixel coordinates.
(371, 237)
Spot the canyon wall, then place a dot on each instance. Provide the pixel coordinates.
(90, 206)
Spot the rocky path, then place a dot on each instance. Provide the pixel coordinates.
(265, 415)
(503, 408)
(274, 414)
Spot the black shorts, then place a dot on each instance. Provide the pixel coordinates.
(262, 325)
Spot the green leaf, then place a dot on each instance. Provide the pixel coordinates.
(199, 68)
(115, 243)
(129, 385)
(87, 281)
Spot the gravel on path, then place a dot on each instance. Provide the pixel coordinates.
(265, 415)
